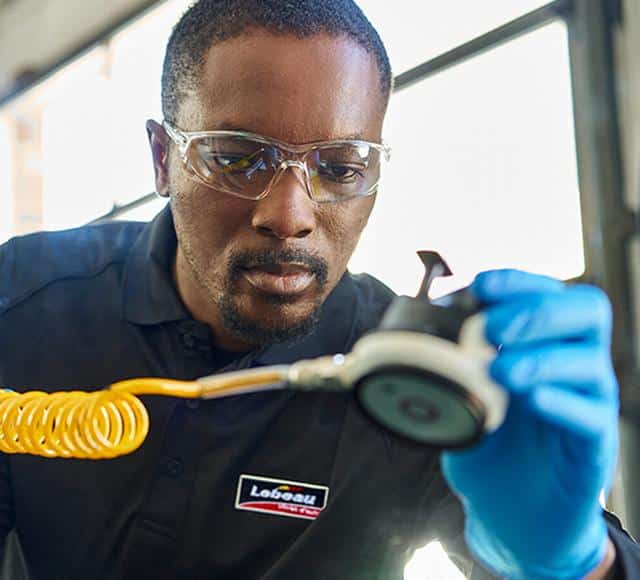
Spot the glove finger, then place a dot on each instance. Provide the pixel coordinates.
(584, 368)
(579, 414)
(499, 285)
(578, 312)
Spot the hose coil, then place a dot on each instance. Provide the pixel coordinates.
(85, 425)
(111, 422)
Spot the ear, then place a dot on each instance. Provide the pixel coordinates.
(159, 143)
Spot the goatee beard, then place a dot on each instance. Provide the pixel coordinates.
(256, 332)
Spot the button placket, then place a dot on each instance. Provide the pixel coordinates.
(196, 339)
(173, 466)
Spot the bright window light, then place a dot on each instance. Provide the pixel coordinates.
(111, 162)
(144, 212)
(483, 170)
(431, 563)
(414, 32)
(85, 175)
(77, 149)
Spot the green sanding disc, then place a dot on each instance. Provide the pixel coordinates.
(422, 407)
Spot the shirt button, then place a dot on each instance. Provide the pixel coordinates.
(173, 467)
(189, 341)
(193, 404)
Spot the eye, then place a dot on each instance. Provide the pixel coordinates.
(341, 172)
(235, 163)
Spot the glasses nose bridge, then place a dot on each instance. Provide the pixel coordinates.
(290, 154)
(285, 164)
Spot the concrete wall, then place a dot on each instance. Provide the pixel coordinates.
(625, 498)
(34, 34)
(628, 45)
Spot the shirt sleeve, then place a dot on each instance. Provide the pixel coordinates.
(7, 512)
(627, 550)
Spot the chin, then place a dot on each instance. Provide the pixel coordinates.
(276, 322)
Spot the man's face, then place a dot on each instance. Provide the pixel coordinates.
(265, 267)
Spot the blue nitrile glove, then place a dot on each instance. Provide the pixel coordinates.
(530, 490)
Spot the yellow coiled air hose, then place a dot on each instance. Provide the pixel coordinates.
(110, 422)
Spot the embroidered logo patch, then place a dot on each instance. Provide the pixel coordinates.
(281, 497)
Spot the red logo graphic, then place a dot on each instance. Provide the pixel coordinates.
(280, 497)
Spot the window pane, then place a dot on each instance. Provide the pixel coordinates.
(95, 150)
(431, 563)
(483, 170)
(422, 30)
(136, 56)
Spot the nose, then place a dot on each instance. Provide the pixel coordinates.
(287, 211)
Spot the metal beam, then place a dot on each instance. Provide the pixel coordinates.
(610, 226)
(118, 210)
(501, 35)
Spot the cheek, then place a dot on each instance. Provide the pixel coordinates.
(344, 224)
(206, 222)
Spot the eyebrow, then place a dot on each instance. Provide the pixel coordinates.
(230, 127)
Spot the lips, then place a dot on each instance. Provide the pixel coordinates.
(284, 279)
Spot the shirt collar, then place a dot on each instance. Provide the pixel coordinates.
(149, 293)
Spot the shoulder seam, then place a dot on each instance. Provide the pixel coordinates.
(12, 303)
(74, 254)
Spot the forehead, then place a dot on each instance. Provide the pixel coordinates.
(294, 89)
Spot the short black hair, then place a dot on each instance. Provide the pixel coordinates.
(208, 22)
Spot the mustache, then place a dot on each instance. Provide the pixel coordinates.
(271, 257)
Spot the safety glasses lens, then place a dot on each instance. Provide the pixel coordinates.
(234, 164)
(247, 167)
(343, 171)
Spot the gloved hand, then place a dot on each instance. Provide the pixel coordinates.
(530, 490)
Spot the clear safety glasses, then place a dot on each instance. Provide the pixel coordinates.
(248, 165)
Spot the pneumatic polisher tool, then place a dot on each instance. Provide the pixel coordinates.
(423, 372)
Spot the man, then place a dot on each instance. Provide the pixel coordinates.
(269, 154)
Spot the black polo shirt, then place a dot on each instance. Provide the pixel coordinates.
(199, 500)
